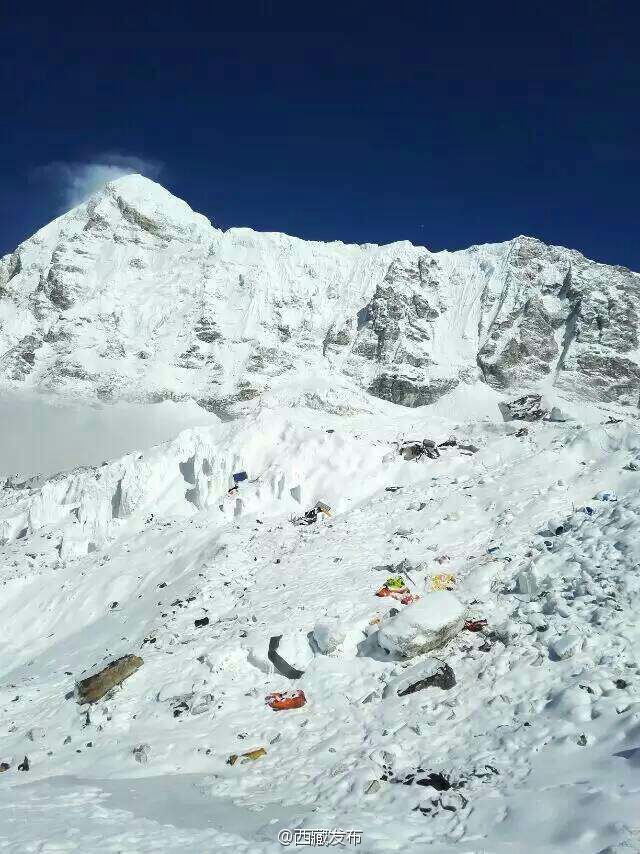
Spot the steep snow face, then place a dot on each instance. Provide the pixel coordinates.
(134, 296)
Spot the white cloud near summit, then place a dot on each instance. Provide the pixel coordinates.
(75, 181)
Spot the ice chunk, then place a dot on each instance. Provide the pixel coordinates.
(567, 645)
(329, 636)
(423, 626)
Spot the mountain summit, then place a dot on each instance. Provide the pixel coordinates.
(133, 296)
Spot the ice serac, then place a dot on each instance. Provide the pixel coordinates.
(133, 296)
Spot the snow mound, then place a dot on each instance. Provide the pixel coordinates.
(423, 626)
(329, 637)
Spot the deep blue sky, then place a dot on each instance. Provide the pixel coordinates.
(444, 124)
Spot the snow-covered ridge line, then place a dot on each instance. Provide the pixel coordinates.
(133, 296)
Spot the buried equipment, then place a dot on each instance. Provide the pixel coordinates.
(249, 756)
(278, 661)
(288, 700)
(475, 625)
(311, 515)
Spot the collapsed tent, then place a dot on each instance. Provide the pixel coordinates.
(311, 515)
(278, 661)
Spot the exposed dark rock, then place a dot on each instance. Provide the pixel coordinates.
(95, 687)
(436, 780)
(430, 673)
(527, 408)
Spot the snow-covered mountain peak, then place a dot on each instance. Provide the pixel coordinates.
(133, 204)
(150, 206)
(135, 296)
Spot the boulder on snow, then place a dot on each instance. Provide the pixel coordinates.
(141, 753)
(423, 626)
(557, 415)
(431, 673)
(93, 688)
(411, 451)
(414, 450)
(527, 408)
(566, 646)
(468, 449)
(606, 495)
(35, 733)
(558, 525)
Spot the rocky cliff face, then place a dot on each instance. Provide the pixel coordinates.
(134, 296)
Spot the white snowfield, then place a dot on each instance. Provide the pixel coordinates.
(539, 738)
(495, 711)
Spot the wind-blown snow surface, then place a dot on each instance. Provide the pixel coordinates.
(542, 726)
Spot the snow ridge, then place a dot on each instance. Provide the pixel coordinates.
(133, 296)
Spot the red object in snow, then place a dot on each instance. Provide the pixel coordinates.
(384, 591)
(475, 625)
(395, 594)
(288, 700)
(408, 599)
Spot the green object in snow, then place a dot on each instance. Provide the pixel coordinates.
(398, 581)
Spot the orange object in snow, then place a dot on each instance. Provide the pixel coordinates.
(403, 596)
(288, 700)
(384, 591)
(394, 593)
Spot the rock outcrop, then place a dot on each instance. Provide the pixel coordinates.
(94, 688)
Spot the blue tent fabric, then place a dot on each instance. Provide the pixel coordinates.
(239, 476)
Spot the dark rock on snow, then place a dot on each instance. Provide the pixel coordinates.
(94, 687)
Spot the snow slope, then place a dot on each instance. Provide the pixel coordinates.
(542, 729)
